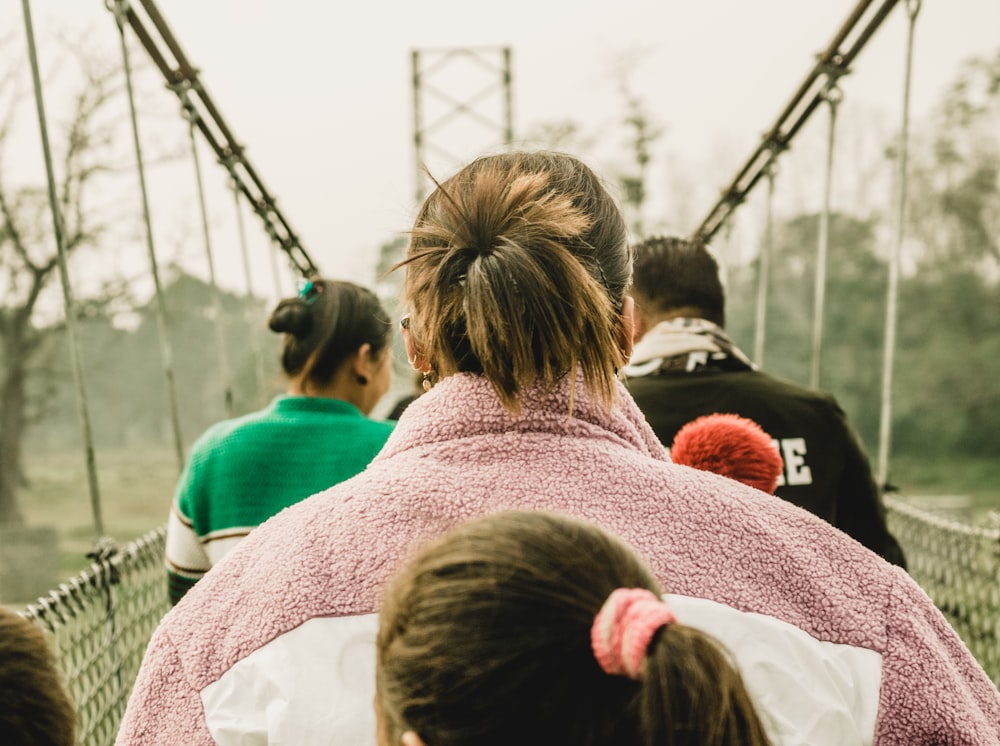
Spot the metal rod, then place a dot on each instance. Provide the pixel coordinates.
(730, 244)
(276, 271)
(508, 134)
(163, 45)
(763, 271)
(220, 335)
(464, 107)
(258, 363)
(166, 354)
(83, 410)
(423, 88)
(833, 98)
(892, 297)
(418, 134)
(828, 67)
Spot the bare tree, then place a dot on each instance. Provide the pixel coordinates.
(642, 131)
(28, 257)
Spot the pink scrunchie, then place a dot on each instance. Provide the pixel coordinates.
(623, 628)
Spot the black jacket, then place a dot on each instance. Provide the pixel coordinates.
(826, 471)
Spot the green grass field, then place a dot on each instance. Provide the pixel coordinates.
(137, 486)
(979, 480)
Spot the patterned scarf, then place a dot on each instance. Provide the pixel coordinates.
(685, 345)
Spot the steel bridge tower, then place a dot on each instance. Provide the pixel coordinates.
(461, 108)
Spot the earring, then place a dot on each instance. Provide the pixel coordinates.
(363, 380)
(427, 382)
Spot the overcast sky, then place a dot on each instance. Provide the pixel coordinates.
(320, 92)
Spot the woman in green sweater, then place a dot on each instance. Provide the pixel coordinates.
(337, 357)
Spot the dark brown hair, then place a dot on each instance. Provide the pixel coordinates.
(326, 324)
(35, 709)
(484, 638)
(516, 270)
(674, 273)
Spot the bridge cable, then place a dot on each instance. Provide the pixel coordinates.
(279, 291)
(250, 314)
(725, 254)
(83, 410)
(189, 113)
(806, 99)
(763, 268)
(892, 297)
(166, 354)
(833, 96)
(231, 160)
(213, 127)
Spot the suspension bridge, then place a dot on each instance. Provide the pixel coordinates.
(102, 618)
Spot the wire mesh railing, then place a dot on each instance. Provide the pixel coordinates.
(959, 567)
(101, 621)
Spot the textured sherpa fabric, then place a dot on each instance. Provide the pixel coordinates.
(456, 453)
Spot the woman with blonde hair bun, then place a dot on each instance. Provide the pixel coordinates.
(517, 280)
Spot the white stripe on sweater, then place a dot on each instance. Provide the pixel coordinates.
(316, 683)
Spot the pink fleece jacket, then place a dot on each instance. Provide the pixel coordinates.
(456, 453)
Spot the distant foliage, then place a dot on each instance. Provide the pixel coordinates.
(946, 392)
(854, 314)
(955, 179)
(126, 385)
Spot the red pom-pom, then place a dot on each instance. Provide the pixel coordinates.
(732, 446)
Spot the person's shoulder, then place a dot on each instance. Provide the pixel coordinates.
(359, 433)
(381, 427)
(778, 386)
(369, 435)
(210, 441)
(226, 433)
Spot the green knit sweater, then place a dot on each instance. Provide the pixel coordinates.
(242, 471)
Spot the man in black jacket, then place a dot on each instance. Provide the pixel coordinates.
(684, 366)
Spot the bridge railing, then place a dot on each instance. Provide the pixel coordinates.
(102, 619)
(959, 567)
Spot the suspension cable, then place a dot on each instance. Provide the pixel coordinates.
(763, 269)
(214, 128)
(725, 252)
(120, 8)
(279, 291)
(255, 351)
(830, 64)
(892, 297)
(833, 96)
(83, 410)
(190, 115)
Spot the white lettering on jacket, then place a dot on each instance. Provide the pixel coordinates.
(793, 453)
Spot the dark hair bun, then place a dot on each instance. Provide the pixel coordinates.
(292, 316)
